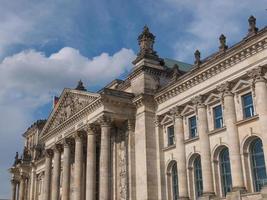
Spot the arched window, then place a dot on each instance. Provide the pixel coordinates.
(198, 177)
(175, 191)
(225, 168)
(257, 164)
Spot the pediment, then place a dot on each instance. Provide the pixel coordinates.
(212, 98)
(240, 85)
(166, 119)
(187, 110)
(70, 103)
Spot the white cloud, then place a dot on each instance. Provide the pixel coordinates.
(29, 78)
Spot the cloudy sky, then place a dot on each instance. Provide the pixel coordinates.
(51, 44)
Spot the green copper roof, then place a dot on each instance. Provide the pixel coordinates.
(182, 66)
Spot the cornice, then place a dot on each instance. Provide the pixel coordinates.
(215, 65)
(143, 100)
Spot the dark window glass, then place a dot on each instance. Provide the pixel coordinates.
(198, 177)
(247, 105)
(218, 118)
(175, 191)
(193, 126)
(225, 171)
(170, 132)
(258, 164)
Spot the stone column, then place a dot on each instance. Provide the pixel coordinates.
(104, 182)
(257, 74)
(233, 138)
(180, 147)
(68, 142)
(14, 189)
(33, 182)
(47, 178)
(78, 165)
(202, 128)
(131, 160)
(22, 187)
(56, 172)
(91, 163)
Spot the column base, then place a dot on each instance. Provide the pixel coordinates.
(207, 195)
(264, 192)
(183, 198)
(241, 189)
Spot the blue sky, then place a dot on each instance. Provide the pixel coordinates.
(51, 44)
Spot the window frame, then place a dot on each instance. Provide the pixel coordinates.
(168, 136)
(190, 127)
(244, 107)
(223, 174)
(175, 186)
(221, 118)
(198, 177)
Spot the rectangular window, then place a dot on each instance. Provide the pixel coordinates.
(192, 126)
(170, 132)
(248, 110)
(218, 118)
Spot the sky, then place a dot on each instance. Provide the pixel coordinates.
(49, 45)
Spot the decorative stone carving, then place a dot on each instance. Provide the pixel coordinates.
(257, 74)
(16, 160)
(223, 45)
(123, 185)
(90, 129)
(104, 120)
(68, 142)
(197, 57)
(146, 41)
(131, 125)
(176, 111)
(225, 88)
(58, 147)
(252, 26)
(198, 100)
(49, 153)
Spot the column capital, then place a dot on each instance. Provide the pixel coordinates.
(68, 142)
(49, 153)
(90, 129)
(58, 147)
(225, 88)
(80, 134)
(257, 73)
(105, 120)
(14, 181)
(198, 101)
(130, 124)
(176, 112)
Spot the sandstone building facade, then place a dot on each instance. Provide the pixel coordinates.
(169, 131)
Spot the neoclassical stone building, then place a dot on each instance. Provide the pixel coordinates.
(169, 131)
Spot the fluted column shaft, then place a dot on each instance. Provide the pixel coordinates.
(22, 188)
(180, 147)
(33, 183)
(14, 189)
(78, 166)
(47, 178)
(56, 172)
(91, 164)
(104, 181)
(66, 169)
(202, 125)
(261, 104)
(233, 141)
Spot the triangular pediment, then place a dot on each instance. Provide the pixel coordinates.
(187, 110)
(212, 98)
(70, 103)
(240, 85)
(166, 119)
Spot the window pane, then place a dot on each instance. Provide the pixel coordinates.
(193, 126)
(175, 192)
(225, 171)
(258, 164)
(218, 118)
(248, 105)
(198, 177)
(170, 131)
